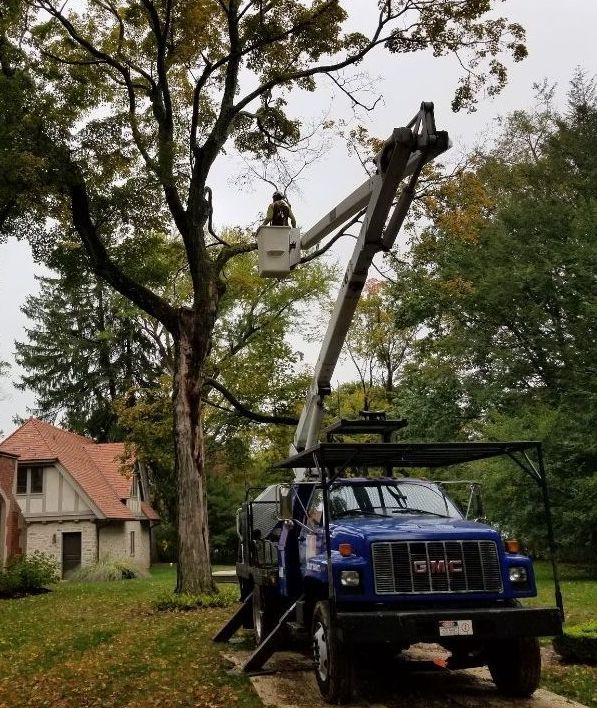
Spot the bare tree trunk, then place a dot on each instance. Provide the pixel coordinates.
(389, 382)
(194, 567)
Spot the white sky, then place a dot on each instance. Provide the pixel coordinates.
(560, 36)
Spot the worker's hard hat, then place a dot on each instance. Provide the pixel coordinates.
(277, 196)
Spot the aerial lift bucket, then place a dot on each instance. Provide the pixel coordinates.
(274, 247)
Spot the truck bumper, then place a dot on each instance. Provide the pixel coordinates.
(424, 626)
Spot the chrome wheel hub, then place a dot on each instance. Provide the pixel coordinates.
(320, 651)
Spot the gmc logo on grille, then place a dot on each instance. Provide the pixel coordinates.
(437, 567)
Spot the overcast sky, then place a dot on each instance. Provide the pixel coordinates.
(560, 37)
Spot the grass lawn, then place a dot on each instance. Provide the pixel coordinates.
(579, 591)
(99, 644)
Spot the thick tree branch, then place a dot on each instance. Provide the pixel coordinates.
(237, 53)
(376, 39)
(246, 412)
(162, 113)
(229, 252)
(103, 265)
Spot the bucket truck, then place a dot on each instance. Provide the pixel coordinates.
(356, 554)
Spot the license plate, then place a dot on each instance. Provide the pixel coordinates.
(455, 628)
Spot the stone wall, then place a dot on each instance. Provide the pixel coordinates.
(46, 537)
(115, 542)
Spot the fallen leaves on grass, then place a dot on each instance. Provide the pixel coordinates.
(91, 645)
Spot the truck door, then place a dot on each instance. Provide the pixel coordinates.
(311, 538)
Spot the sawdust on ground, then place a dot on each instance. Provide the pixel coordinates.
(288, 681)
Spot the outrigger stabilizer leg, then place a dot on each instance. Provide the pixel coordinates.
(270, 644)
(241, 618)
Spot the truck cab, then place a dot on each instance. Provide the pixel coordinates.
(405, 540)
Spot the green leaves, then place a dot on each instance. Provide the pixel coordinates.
(463, 29)
(502, 281)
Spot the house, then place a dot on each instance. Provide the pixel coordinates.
(68, 496)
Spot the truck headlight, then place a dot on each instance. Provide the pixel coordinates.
(350, 578)
(518, 574)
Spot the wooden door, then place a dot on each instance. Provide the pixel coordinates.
(71, 552)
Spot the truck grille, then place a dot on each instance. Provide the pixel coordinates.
(436, 566)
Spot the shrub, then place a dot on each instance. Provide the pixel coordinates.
(165, 541)
(578, 644)
(107, 569)
(174, 602)
(28, 574)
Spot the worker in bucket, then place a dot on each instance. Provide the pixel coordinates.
(279, 212)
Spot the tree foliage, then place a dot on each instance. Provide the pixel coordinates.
(503, 281)
(376, 343)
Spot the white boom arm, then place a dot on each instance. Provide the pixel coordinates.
(403, 155)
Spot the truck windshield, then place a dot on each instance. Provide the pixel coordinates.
(389, 499)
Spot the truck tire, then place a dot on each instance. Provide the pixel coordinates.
(515, 666)
(334, 669)
(264, 614)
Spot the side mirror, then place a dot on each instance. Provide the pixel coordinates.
(284, 499)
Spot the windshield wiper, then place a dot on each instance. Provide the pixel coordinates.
(410, 510)
(346, 512)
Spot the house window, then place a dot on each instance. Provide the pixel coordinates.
(30, 480)
(37, 480)
(21, 481)
(132, 543)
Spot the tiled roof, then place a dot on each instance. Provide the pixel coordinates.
(108, 457)
(149, 512)
(96, 467)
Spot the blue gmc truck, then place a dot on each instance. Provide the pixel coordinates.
(366, 559)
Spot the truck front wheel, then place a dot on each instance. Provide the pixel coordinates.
(334, 669)
(515, 665)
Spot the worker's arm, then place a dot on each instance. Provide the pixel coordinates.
(269, 216)
(291, 217)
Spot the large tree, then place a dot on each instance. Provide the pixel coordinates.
(124, 107)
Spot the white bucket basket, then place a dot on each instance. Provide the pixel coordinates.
(273, 246)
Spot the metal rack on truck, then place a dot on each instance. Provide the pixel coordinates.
(358, 555)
